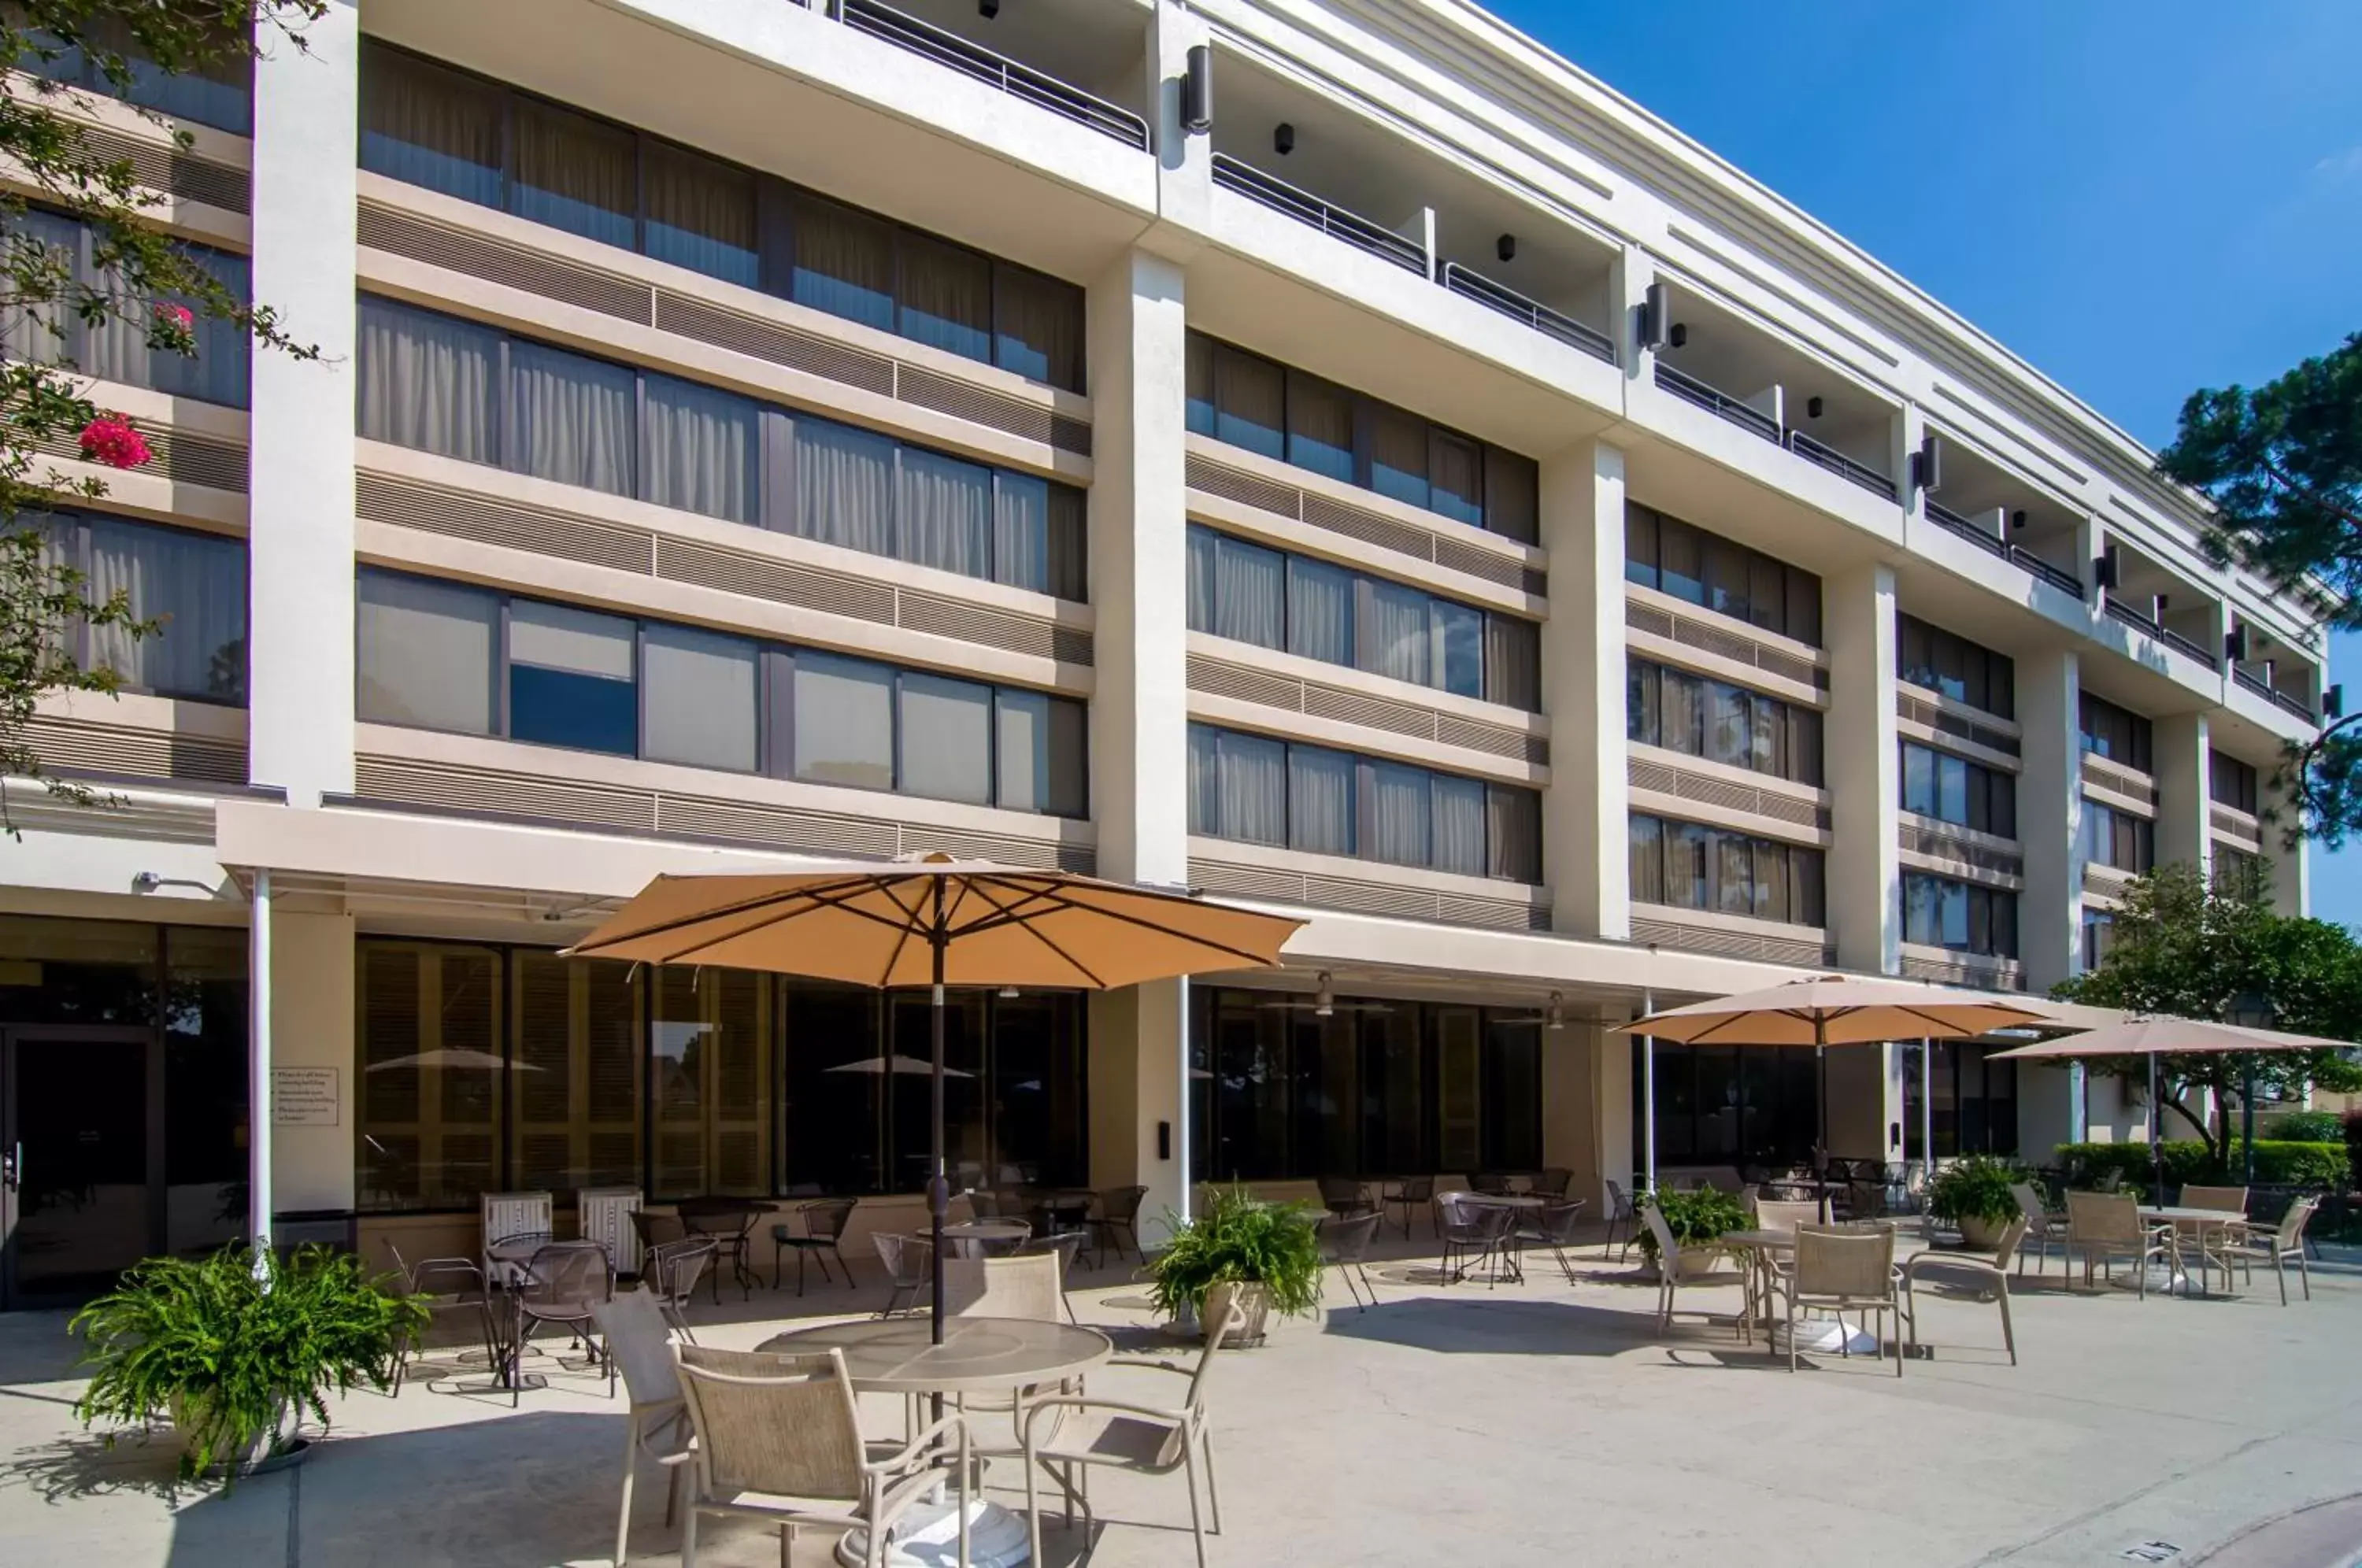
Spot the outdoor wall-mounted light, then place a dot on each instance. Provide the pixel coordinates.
(1927, 464)
(1656, 308)
(1282, 138)
(2107, 568)
(1556, 1018)
(2017, 519)
(987, 9)
(2332, 703)
(1324, 1001)
(2238, 645)
(1677, 336)
(1813, 406)
(1198, 91)
(1505, 248)
(149, 881)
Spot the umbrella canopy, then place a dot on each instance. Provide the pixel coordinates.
(2165, 1037)
(452, 1058)
(1838, 1009)
(900, 1066)
(934, 921)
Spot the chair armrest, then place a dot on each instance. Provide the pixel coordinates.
(918, 1447)
(1034, 1410)
(1134, 1364)
(1920, 1262)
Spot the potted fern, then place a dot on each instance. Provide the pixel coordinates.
(1259, 1257)
(235, 1349)
(1694, 1219)
(1976, 1194)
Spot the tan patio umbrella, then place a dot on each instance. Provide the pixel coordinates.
(1830, 1010)
(2155, 1037)
(934, 921)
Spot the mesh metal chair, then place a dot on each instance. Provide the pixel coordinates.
(908, 1262)
(1067, 1246)
(1552, 1181)
(1620, 1216)
(568, 1279)
(1344, 1196)
(1953, 1274)
(1118, 1221)
(1551, 1227)
(1842, 1271)
(1674, 1271)
(2103, 1227)
(779, 1438)
(655, 1229)
(1344, 1243)
(1066, 1432)
(823, 1221)
(672, 1270)
(2250, 1245)
(1410, 1194)
(447, 1287)
(633, 1326)
(1468, 1228)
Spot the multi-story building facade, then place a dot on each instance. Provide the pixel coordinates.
(1345, 459)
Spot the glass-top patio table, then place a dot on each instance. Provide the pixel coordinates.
(2197, 1225)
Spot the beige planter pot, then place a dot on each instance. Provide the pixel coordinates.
(1253, 1301)
(1985, 1233)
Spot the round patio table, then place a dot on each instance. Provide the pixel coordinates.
(2199, 1221)
(978, 1238)
(978, 1355)
(1760, 1245)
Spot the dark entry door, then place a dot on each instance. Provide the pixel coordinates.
(78, 1195)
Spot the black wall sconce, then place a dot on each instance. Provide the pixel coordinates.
(1812, 408)
(1678, 334)
(2017, 519)
(1927, 464)
(989, 9)
(1282, 138)
(1505, 248)
(2238, 645)
(2107, 571)
(1656, 305)
(1198, 91)
(2332, 703)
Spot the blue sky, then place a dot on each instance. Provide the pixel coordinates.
(2141, 197)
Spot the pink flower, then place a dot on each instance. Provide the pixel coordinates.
(110, 439)
(177, 317)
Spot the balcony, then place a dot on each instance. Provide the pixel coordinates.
(1689, 389)
(1532, 312)
(2286, 702)
(1305, 207)
(1951, 522)
(1837, 462)
(997, 71)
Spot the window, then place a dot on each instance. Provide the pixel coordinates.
(1942, 662)
(2118, 839)
(1940, 912)
(438, 656)
(1312, 608)
(428, 1094)
(2098, 935)
(1688, 563)
(458, 389)
(191, 585)
(433, 125)
(1247, 401)
(1973, 1110)
(2115, 732)
(1953, 790)
(2238, 871)
(1699, 717)
(116, 347)
(1693, 867)
(1281, 1094)
(2231, 782)
(1258, 790)
(1759, 1106)
(218, 93)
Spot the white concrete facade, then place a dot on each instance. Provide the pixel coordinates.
(1493, 160)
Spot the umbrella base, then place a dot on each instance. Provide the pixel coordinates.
(1825, 1336)
(928, 1536)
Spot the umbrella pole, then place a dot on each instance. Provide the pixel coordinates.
(1649, 1095)
(2156, 1153)
(939, 1188)
(1926, 1116)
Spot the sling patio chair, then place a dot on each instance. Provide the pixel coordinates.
(565, 1282)
(672, 1270)
(1956, 1273)
(636, 1331)
(2043, 1227)
(1116, 1223)
(1840, 1271)
(1692, 1266)
(909, 1272)
(2252, 1244)
(2103, 1227)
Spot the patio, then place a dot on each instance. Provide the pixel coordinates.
(1512, 1424)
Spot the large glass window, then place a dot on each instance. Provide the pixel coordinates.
(574, 1109)
(1973, 1108)
(2118, 838)
(1938, 912)
(218, 93)
(458, 389)
(1685, 561)
(1248, 400)
(432, 1081)
(190, 585)
(115, 347)
(2231, 782)
(1253, 594)
(2117, 733)
(1949, 664)
(1722, 723)
(1260, 791)
(1954, 789)
(433, 125)
(440, 655)
(1751, 1108)
(1691, 866)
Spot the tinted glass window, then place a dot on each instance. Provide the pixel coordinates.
(426, 654)
(572, 679)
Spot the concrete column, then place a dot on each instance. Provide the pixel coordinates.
(300, 556)
(2182, 792)
(1137, 1044)
(1863, 767)
(1611, 1106)
(311, 1001)
(1140, 572)
(1584, 811)
(1570, 1125)
(2289, 872)
(2050, 817)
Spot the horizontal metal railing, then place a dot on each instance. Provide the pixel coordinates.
(974, 61)
(2189, 646)
(1828, 457)
(1306, 208)
(1689, 389)
(1533, 312)
(2025, 561)
(2058, 577)
(2273, 694)
(1951, 522)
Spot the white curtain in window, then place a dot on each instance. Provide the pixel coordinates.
(1203, 547)
(1398, 640)
(1459, 837)
(1205, 781)
(1320, 611)
(1734, 874)
(1772, 890)
(1320, 799)
(1727, 714)
(1039, 753)
(1020, 531)
(1038, 327)
(43, 245)
(1401, 814)
(943, 514)
(426, 654)
(1513, 833)
(574, 172)
(1645, 862)
(845, 486)
(570, 419)
(700, 699)
(426, 381)
(702, 446)
(946, 732)
(116, 348)
(945, 296)
(1249, 583)
(193, 586)
(845, 721)
(844, 263)
(425, 126)
(1254, 790)
(701, 214)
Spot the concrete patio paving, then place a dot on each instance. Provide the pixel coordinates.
(1536, 1423)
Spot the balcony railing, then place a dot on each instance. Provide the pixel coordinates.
(1533, 312)
(1306, 208)
(1689, 389)
(2132, 617)
(993, 70)
(1837, 462)
(2189, 646)
(2025, 561)
(2273, 694)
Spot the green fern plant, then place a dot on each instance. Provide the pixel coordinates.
(1240, 1240)
(237, 1349)
(1977, 1186)
(1693, 1218)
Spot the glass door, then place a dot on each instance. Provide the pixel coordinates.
(78, 1198)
